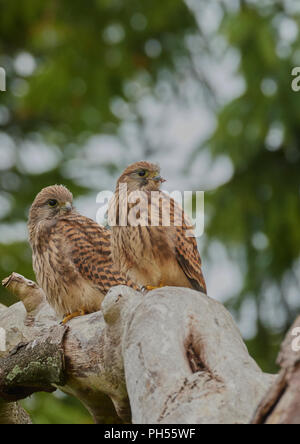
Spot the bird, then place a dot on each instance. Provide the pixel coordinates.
(144, 249)
(71, 255)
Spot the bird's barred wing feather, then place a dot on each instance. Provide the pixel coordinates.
(189, 259)
(186, 250)
(89, 250)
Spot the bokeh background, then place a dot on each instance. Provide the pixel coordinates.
(202, 87)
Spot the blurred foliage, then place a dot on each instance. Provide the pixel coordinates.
(76, 69)
(258, 211)
(56, 409)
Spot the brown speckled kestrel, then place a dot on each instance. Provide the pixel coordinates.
(152, 256)
(71, 255)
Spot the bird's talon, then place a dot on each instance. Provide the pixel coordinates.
(150, 287)
(76, 314)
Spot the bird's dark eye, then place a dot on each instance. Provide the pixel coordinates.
(52, 203)
(142, 173)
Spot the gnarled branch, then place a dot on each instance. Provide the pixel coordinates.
(13, 413)
(282, 403)
(170, 356)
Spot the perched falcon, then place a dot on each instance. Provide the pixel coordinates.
(71, 255)
(143, 248)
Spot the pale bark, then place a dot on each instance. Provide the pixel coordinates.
(13, 413)
(282, 403)
(170, 356)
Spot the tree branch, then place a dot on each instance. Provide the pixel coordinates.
(170, 356)
(13, 413)
(282, 403)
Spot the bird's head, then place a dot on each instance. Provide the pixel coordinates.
(144, 176)
(50, 204)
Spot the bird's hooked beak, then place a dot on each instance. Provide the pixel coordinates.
(157, 178)
(67, 207)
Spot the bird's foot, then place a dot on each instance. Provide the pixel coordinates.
(150, 288)
(76, 314)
